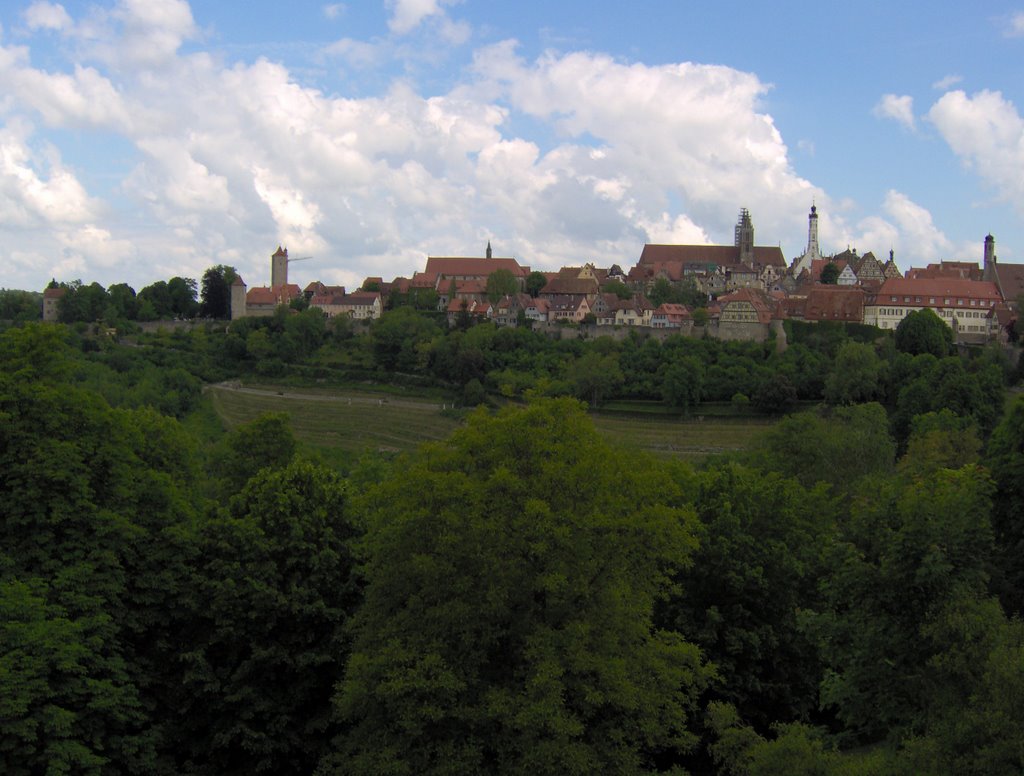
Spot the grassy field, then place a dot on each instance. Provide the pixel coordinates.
(342, 426)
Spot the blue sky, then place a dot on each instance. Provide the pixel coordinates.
(141, 139)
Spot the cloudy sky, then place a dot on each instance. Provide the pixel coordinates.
(142, 139)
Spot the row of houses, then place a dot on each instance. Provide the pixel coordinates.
(746, 286)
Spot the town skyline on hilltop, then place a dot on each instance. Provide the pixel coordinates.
(140, 141)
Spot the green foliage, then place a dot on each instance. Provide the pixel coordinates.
(909, 550)
(398, 337)
(940, 440)
(501, 283)
(775, 395)
(266, 638)
(922, 331)
(1005, 460)
(841, 448)
(617, 287)
(535, 281)
(215, 292)
(856, 375)
(594, 377)
(830, 274)
(762, 551)
(511, 576)
(22, 306)
(266, 442)
(682, 383)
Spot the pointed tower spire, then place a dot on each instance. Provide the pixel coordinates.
(488, 249)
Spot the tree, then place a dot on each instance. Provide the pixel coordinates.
(922, 331)
(830, 274)
(182, 294)
(535, 281)
(397, 336)
(908, 552)
(511, 576)
(595, 376)
(617, 287)
(775, 395)
(264, 442)
(215, 292)
(501, 283)
(855, 376)
(265, 641)
(682, 383)
(840, 448)
(123, 303)
(760, 558)
(1005, 459)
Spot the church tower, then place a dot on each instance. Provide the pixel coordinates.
(488, 249)
(745, 237)
(989, 272)
(812, 253)
(812, 233)
(279, 268)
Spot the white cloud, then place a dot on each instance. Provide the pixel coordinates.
(407, 15)
(42, 15)
(896, 107)
(150, 33)
(334, 10)
(987, 133)
(226, 161)
(1015, 25)
(916, 227)
(36, 190)
(96, 246)
(944, 83)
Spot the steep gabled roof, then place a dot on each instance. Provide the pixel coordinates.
(764, 255)
(834, 303)
(763, 306)
(938, 288)
(1010, 278)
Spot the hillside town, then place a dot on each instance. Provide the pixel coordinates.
(741, 291)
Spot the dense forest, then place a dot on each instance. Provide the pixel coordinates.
(842, 598)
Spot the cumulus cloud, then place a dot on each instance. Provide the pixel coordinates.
(227, 160)
(987, 133)
(47, 16)
(896, 107)
(36, 190)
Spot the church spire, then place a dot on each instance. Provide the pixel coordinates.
(812, 233)
(488, 249)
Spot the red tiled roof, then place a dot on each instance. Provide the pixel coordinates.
(764, 255)
(282, 294)
(967, 270)
(834, 303)
(449, 266)
(761, 304)
(937, 288)
(570, 285)
(54, 293)
(1011, 280)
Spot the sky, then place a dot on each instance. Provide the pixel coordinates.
(143, 139)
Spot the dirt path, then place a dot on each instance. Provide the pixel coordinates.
(382, 401)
